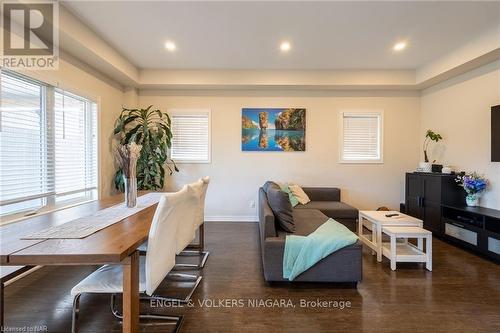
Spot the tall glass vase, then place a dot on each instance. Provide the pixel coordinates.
(130, 191)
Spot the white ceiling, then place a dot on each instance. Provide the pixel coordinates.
(324, 35)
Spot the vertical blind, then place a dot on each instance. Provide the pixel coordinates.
(361, 139)
(191, 136)
(48, 147)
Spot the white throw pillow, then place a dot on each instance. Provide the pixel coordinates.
(299, 193)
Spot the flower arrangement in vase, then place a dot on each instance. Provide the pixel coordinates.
(127, 156)
(474, 184)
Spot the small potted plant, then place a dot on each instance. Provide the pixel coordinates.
(474, 184)
(430, 136)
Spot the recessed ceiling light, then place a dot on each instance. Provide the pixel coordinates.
(285, 46)
(170, 46)
(399, 46)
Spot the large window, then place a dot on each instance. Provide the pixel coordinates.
(191, 135)
(48, 147)
(361, 137)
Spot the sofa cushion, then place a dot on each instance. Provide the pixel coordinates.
(281, 207)
(306, 221)
(333, 209)
(322, 193)
(293, 200)
(269, 184)
(299, 194)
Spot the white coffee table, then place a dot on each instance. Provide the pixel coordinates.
(375, 220)
(407, 252)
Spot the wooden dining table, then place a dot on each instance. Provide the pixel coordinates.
(115, 244)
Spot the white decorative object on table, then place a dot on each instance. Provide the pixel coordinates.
(447, 169)
(375, 220)
(407, 252)
(425, 167)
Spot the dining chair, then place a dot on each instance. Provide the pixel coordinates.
(186, 230)
(199, 225)
(153, 267)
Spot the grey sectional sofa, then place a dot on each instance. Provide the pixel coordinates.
(345, 265)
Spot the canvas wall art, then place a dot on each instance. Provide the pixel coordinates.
(274, 129)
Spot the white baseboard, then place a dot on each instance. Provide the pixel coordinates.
(228, 218)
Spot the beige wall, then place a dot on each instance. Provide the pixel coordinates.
(460, 110)
(80, 79)
(236, 175)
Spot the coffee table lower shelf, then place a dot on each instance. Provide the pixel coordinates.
(405, 252)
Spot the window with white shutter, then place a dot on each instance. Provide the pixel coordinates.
(191, 135)
(75, 146)
(361, 137)
(48, 147)
(24, 173)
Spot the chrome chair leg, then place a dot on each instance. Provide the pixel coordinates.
(74, 314)
(193, 253)
(189, 253)
(196, 250)
(2, 305)
(186, 278)
(173, 320)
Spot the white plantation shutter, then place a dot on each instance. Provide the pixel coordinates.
(48, 147)
(191, 136)
(361, 137)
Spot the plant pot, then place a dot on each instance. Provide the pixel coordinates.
(425, 167)
(130, 191)
(472, 200)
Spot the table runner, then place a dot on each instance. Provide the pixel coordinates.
(87, 225)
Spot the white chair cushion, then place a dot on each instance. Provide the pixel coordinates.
(108, 279)
(200, 218)
(186, 229)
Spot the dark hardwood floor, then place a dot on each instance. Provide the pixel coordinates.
(462, 294)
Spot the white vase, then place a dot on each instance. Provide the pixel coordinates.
(130, 191)
(472, 200)
(425, 167)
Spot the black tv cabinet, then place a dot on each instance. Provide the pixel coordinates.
(436, 199)
(475, 228)
(425, 195)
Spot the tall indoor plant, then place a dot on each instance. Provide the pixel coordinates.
(150, 128)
